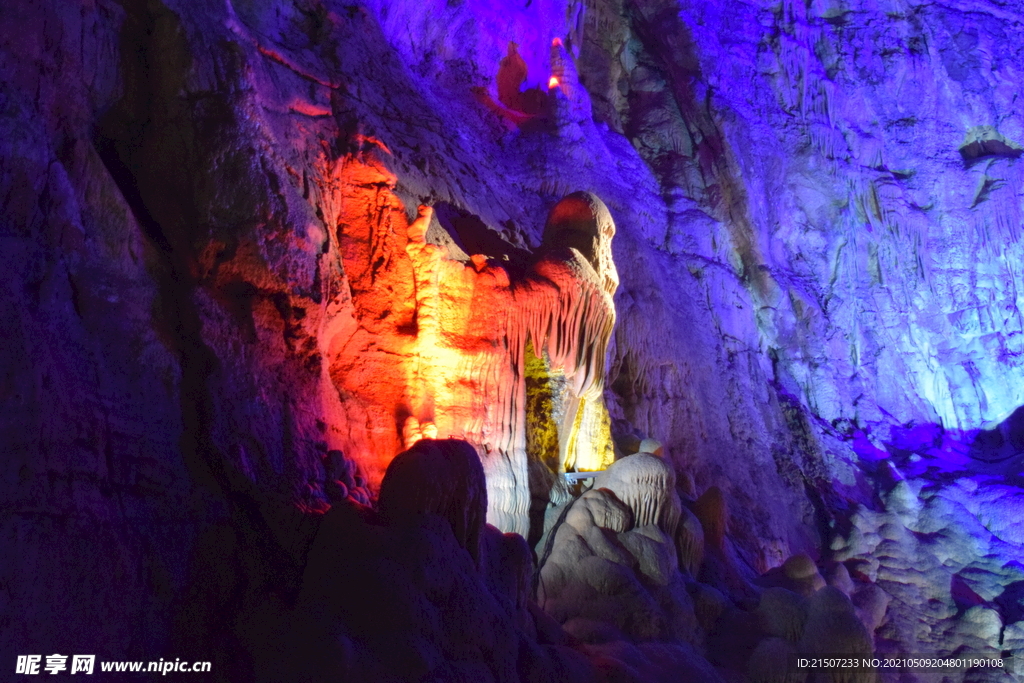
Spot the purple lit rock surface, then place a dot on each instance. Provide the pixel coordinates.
(819, 245)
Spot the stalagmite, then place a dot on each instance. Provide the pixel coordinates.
(647, 485)
(833, 628)
(782, 613)
(597, 508)
(802, 575)
(606, 578)
(798, 574)
(708, 605)
(440, 477)
(839, 576)
(511, 75)
(871, 603)
(771, 661)
(713, 514)
(652, 446)
(690, 542)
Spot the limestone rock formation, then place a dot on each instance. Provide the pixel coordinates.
(771, 662)
(690, 542)
(713, 513)
(474, 326)
(647, 485)
(798, 574)
(218, 279)
(952, 580)
(782, 614)
(832, 627)
(607, 579)
(444, 478)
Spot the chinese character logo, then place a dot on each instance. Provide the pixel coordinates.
(28, 664)
(83, 664)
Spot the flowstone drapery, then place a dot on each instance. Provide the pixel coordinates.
(473, 326)
(439, 341)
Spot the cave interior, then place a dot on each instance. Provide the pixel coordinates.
(556, 341)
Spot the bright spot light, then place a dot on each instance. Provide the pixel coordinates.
(552, 82)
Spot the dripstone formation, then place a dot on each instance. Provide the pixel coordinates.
(539, 341)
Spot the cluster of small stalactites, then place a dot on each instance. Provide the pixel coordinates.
(568, 315)
(569, 311)
(564, 305)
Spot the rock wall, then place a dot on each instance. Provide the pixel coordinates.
(890, 224)
(205, 208)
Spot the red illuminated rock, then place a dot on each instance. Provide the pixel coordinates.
(210, 284)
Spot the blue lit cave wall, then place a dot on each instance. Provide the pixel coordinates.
(218, 278)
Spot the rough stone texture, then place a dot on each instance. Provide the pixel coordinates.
(407, 602)
(647, 485)
(953, 580)
(204, 209)
(877, 218)
(444, 478)
(474, 324)
(608, 578)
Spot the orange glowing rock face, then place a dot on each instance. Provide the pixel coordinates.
(369, 322)
(435, 346)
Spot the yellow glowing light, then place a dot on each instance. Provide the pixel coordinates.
(552, 82)
(590, 439)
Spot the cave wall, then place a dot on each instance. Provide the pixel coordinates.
(890, 225)
(204, 216)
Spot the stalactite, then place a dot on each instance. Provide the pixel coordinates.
(473, 325)
(827, 141)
